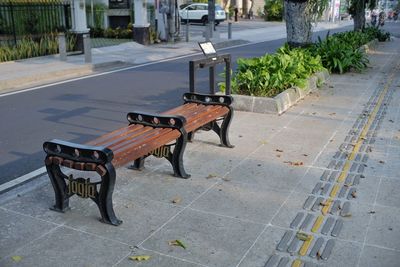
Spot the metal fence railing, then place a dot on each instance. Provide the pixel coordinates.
(19, 18)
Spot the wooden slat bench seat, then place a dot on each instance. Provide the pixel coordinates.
(146, 134)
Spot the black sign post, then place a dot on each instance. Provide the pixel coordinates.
(211, 60)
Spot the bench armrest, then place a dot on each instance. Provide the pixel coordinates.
(156, 120)
(205, 99)
(77, 152)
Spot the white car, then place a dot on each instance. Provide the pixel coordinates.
(198, 12)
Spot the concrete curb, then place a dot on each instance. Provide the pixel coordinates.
(369, 46)
(281, 102)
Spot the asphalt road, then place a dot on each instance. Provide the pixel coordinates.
(79, 111)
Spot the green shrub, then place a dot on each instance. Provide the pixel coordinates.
(340, 52)
(118, 33)
(273, 10)
(377, 33)
(272, 74)
(28, 47)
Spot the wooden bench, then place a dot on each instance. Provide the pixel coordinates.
(147, 134)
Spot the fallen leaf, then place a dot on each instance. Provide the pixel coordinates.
(333, 113)
(324, 203)
(211, 175)
(305, 155)
(381, 161)
(346, 215)
(176, 200)
(302, 236)
(16, 258)
(331, 140)
(177, 243)
(226, 179)
(372, 212)
(296, 163)
(140, 258)
(278, 150)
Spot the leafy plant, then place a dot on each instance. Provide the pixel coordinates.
(118, 33)
(273, 10)
(375, 32)
(271, 74)
(28, 47)
(340, 53)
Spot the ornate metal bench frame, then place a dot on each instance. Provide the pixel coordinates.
(99, 159)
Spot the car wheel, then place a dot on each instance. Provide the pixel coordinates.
(204, 20)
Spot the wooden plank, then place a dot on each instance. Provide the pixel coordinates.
(187, 106)
(128, 137)
(205, 118)
(154, 133)
(138, 150)
(119, 132)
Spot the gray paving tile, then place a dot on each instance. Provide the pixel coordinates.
(343, 254)
(289, 210)
(154, 260)
(243, 201)
(140, 218)
(217, 161)
(37, 204)
(66, 247)
(310, 179)
(355, 227)
(264, 248)
(373, 256)
(388, 194)
(384, 230)
(391, 166)
(269, 171)
(18, 230)
(165, 188)
(210, 240)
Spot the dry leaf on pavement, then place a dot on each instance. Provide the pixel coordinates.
(140, 258)
(176, 200)
(177, 243)
(16, 258)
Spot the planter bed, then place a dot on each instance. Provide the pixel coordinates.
(281, 102)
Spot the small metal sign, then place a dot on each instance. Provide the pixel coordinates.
(208, 50)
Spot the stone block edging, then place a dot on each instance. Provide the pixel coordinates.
(369, 46)
(281, 102)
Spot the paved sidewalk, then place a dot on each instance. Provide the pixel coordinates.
(328, 168)
(37, 71)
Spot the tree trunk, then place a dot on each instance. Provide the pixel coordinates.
(298, 23)
(359, 15)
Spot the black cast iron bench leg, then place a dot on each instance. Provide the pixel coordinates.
(83, 158)
(175, 157)
(221, 100)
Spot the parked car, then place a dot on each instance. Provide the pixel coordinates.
(198, 12)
